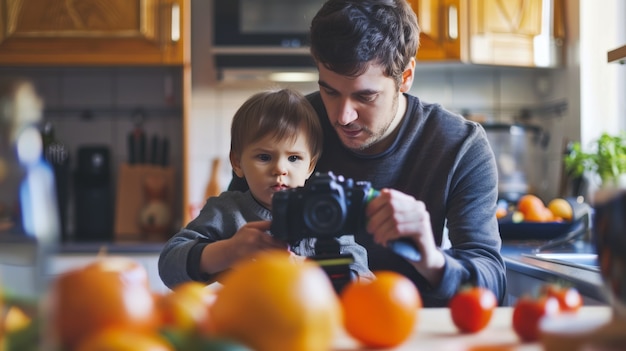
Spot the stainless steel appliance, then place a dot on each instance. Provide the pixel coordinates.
(520, 154)
(93, 195)
(271, 33)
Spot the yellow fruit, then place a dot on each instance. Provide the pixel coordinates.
(561, 208)
(186, 307)
(16, 319)
(275, 303)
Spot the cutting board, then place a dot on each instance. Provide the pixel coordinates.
(131, 198)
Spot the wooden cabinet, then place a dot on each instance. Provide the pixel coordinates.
(499, 32)
(107, 32)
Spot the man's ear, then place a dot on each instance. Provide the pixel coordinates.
(407, 76)
(235, 162)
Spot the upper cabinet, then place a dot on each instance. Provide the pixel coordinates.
(498, 32)
(108, 32)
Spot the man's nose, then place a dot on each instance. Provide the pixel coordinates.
(346, 113)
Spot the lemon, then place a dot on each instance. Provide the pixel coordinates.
(561, 208)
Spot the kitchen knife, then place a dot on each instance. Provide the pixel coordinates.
(155, 150)
(165, 149)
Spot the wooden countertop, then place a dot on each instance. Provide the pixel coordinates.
(435, 331)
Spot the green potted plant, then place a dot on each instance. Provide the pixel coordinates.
(606, 159)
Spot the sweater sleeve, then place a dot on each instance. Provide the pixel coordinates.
(474, 256)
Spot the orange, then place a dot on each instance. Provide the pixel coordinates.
(528, 203)
(561, 208)
(109, 291)
(383, 312)
(539, 214)
(501, 212)
(274, 303)
(120, 339)
(186, 307)
(533, 209)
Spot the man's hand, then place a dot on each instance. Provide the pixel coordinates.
(393, 215)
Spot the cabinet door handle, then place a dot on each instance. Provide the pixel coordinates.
(453, 22)
(175, 23)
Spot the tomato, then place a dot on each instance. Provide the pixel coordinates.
(471, 308)
(527, 313)
(569, 298)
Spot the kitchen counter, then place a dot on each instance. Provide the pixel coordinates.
(526, 271)
(436, 331)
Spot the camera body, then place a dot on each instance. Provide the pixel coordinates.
(327, 206)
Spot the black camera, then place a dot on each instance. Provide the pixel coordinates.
(327, 206)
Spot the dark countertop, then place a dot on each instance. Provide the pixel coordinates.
(518, 257)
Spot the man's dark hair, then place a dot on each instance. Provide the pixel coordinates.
(348, 35)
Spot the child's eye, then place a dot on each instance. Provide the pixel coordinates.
(294, 158)
(264, 157)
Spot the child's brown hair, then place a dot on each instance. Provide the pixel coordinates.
(279, 113)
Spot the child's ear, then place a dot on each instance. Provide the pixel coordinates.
(311, 168)
(235, 162)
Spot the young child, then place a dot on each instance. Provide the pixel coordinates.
(276, 140)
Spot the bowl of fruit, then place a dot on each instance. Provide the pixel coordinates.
(530, 218)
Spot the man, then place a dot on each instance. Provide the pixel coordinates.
(436, 170)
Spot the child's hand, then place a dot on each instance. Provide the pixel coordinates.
(254, 237)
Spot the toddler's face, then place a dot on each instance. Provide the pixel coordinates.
(270, 165)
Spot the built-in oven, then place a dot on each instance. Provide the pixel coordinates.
(269, 33)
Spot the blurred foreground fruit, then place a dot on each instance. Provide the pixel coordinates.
(382, 312)
(472, 308)
(120, 339)
(186, 307)
(274, 303)
(569, 298)
(527, 313)
(108, 292)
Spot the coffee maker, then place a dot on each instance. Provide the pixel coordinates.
(93, 198)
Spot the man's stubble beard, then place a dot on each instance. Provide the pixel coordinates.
(376, 137)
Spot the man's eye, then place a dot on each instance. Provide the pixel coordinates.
(368, 98)
(330, 92)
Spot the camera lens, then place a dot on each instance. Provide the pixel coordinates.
(324, 214)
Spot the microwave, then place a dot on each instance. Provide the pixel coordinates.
(268, 33)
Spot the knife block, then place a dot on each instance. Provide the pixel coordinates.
(132, 199)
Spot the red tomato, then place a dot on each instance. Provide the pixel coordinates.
(471, 308)
(569, 298)
(528, 312)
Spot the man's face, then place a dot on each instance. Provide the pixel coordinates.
(364, 109)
